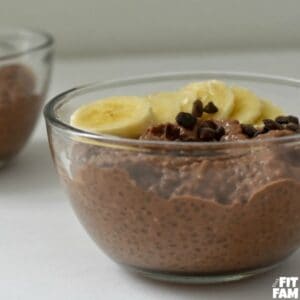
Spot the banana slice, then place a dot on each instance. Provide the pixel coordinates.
(212, 90)
(166, 105)
(269, 111)
(123, 116)
(247, 106)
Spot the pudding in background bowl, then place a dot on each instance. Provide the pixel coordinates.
(25, 65)
(189, 201)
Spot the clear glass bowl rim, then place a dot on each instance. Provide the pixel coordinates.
(110, 140)
(47, 41)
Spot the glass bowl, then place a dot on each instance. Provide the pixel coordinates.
(25, 64)
(184, 212)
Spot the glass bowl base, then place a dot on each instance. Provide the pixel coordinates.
(201, 278)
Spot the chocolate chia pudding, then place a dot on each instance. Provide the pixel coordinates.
(19, 107)
(215, 211)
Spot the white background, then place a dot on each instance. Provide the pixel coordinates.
(45, 254)
(98, 27)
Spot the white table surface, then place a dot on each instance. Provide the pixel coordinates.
(44, 251)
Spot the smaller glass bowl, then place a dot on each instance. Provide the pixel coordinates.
(25, 64)
(184, 212)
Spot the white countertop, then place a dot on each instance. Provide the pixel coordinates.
(44, 251)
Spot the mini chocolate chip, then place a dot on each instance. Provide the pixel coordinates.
(293, 119)
(209, 124)
(186, 120)
(206, 134)
(292, 126)
(220, 132)
(157, 130)
(282, 120)
(287, 119)
(272, 125)
(259, 131)
(197, 111)
(264, 130)
(172, 133)
(185, 137)
(249, 130)
(210, 108)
